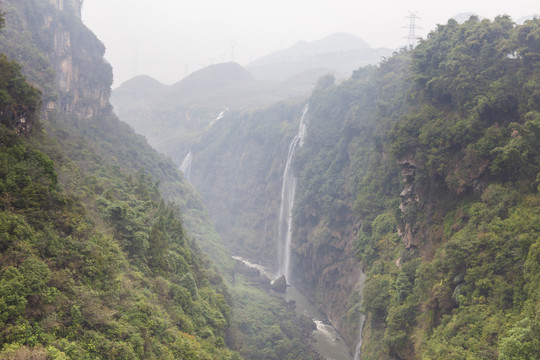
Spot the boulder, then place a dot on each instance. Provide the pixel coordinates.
(280, 284)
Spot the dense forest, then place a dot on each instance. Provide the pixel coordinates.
(104, 246)
(417, 204)
(466, 284)
(441, 157)
(421, 174)
(106, 272)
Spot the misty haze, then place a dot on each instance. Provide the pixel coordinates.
(269, 180)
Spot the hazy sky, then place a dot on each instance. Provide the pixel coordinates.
(168, 39)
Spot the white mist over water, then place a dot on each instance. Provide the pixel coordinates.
(186, 165)
(288, 189)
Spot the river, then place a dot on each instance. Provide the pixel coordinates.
(329, 344)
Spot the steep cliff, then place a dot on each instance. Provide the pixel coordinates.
(65, 61)
(458, 280)
(346, 125)
(427, 168)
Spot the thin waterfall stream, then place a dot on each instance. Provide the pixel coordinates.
(186, 165)
(362, 320)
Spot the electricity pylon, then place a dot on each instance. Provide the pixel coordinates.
(411, 38)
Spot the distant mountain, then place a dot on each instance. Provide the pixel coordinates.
(143, 83)
(302, 49)
(213, 77)
(339, 53)
(186, 108)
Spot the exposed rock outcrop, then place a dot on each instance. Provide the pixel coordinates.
(78, 94)
(280, 285)
(408, 230)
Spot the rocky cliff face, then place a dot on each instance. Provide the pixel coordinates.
(73, 7)
(410, 201)
(325, 267)
(74, 77)
(237, 167)
(72, 55)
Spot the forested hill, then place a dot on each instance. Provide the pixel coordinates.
(423, 172)
(93, 262)
(420, 175)
(439, 150)
(64, 59)
(467, 281)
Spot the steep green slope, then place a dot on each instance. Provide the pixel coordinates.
(451, 261)
(121, 281)
(122, 277)
(463, 280)
(74, 288)
(345, 132)
(65, 60)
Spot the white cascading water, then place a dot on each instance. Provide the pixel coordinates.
(219, 117)
(358, 351)
(328, 343)
(186, 165)
(362, 320)
(288, 189)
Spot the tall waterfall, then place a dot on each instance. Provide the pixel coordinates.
(288, 189)
(186, 165)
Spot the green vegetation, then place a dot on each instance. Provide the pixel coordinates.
(266, 329)
(459, 116)
(243, 167)
(19, 102)
(110, 274)
(469, 288)
(96, 263)
(80, 292)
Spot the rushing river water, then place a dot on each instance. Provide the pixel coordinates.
(329, 344)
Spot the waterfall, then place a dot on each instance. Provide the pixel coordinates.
(358, 351)
(362, 320)
(219, 117)
(186, 165)
(288, 189)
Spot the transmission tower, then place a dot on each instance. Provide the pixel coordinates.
(411, 38)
